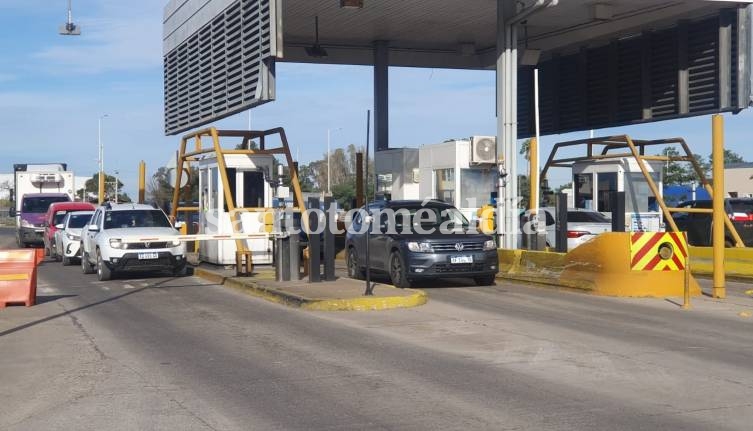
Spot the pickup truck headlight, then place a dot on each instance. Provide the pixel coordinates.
(489, 245)
(420, 247)
(25, 223)
(116, 243)
(175, 243)
(72, 237)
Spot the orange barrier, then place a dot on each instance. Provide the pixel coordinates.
(18, 277)
(39, 255)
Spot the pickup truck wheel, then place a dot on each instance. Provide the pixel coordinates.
(86, 267)
(103, 272)
(397, 271)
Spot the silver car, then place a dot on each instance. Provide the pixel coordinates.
(582, 225)
(68, 236)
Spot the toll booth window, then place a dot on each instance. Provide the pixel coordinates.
(476, 186)
(638, 196)
(445, 185)
(231, 182)
(384, 183)
(214, 193)
(607, 183)
(584, 189)
(253, 189)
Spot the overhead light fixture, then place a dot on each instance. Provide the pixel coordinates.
(316, 50)
(351, 4)
(69, 28)
(530, 57)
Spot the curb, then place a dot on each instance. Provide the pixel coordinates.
(251, 287)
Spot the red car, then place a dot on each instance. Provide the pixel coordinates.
(55, 215)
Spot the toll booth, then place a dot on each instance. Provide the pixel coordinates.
(461, 172)
(249, 182)
(595, 181)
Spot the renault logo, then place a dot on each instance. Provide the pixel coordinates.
(459, 246)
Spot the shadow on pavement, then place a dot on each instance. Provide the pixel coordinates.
(50, 298)
(83, 307)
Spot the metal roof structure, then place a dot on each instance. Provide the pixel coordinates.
(463, 33)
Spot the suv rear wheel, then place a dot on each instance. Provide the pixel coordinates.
(354, 268)
(397, 271)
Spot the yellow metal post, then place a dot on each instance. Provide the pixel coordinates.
(717, 224)
(101, 195)
(142, 182)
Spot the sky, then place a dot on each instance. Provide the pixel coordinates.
(54, 90)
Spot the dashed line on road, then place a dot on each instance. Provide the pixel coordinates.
(46, 290)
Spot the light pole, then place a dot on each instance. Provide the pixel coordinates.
(329, 181)
(101, 176)
(116, 185)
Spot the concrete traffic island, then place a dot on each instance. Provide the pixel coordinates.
(343, 294)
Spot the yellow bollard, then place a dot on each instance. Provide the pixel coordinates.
(717, 226)
(142, 181)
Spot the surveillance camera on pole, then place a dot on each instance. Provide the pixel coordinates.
(69, 28)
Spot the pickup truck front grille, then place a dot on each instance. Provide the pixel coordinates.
(146, 245)
(452, 246)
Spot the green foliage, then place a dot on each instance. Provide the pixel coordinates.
(91, 189)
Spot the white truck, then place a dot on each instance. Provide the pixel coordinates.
(35, 187)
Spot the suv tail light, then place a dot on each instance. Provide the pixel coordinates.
(577, 233)
(740, 217)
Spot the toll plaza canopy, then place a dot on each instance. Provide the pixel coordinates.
(601, 63)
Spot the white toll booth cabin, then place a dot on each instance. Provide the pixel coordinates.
(249, 183)
(397, 173)
(595, 180)
(460, 172)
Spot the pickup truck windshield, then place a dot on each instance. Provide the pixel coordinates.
(39, 204)
(135, 218)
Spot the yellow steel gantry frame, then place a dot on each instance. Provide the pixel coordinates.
(185, 159)
(637, 150)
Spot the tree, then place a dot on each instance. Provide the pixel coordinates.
(730, 157)
(91, 189)
(159, 189)
(676, 173)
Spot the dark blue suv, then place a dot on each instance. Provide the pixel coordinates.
(412, 240)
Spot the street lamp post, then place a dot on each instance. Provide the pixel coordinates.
(329, 181)
(116, 185)
(101, 176)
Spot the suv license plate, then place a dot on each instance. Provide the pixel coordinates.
(144, 256)
(461, 259)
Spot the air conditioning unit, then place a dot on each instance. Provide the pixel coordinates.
(47, 177)
(483, 150)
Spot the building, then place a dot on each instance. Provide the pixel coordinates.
(738, 180)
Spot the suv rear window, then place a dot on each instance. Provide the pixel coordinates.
(586, 217)
(135, 218)
(741, 205)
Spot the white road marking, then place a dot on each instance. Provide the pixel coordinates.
(128, 286)
(46, 290)
(105, 287)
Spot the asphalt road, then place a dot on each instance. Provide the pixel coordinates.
(179, 353)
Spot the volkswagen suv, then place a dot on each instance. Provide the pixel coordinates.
(413, 240)
(105, 251)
